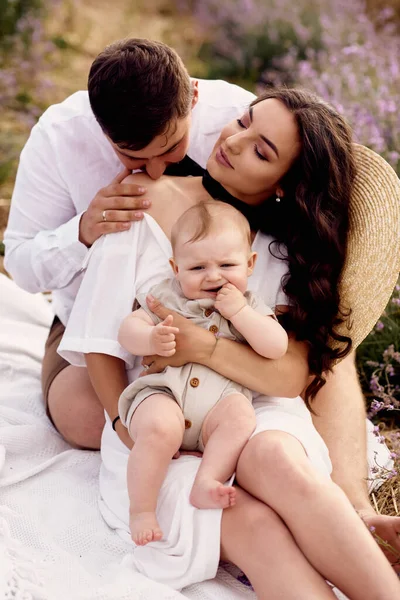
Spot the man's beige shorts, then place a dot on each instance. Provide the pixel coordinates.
(52, 363)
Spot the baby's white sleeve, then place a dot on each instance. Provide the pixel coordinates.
(105, 297)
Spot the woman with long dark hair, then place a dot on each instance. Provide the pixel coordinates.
(288, 165)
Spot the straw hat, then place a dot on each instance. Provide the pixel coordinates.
(372, 264)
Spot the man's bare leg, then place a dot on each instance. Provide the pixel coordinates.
(340, 420)
(75, 408)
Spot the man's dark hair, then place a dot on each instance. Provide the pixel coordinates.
(137, 89)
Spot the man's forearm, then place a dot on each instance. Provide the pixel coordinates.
(340, 419)
(109, 379)
(286, 376)
(48, 261)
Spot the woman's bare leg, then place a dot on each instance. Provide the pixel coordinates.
(274, 468)
(226, 429)
(255, 539)
(157, 428)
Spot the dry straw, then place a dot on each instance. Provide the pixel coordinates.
(386, 500)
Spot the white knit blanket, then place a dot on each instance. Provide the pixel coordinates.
(54, 545)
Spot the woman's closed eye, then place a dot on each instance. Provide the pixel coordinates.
(258, 154)
(256, 151)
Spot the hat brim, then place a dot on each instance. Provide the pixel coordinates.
(372, 262)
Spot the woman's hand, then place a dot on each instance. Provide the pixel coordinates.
(386, 531)
(193, 343)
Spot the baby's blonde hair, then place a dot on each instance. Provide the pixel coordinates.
(208, 217)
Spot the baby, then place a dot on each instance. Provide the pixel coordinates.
(193, 407)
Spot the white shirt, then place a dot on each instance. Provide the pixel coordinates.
(124, 265)
(65, 162)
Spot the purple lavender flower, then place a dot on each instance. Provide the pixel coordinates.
(390, 370)
(372, 363)
(24, 66)
(375, 407)
(339, 53)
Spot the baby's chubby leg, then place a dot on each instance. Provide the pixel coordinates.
(226, 430)
(157, 428)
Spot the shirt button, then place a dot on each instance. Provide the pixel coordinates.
(214, 329)
(194, 382)
(188, 424)
(208, 312)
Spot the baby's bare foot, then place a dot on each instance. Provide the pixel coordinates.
(210, 493)
(144, 528)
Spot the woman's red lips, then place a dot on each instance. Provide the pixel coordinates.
(222, 158)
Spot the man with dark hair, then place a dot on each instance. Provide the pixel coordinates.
(159, 90)
(137, 114)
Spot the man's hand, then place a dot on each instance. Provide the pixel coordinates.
(229, 301)
(112, 209)
(162, 337)
(123, 434)
(386, 531)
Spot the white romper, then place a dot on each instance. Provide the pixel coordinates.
(118, 268)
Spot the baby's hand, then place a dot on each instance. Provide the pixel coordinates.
(163, 337)
(229, 301)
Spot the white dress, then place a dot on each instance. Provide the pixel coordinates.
(119, 267)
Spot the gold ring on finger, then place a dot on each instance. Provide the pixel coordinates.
(104, 216)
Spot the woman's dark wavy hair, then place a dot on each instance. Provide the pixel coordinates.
(312, 221)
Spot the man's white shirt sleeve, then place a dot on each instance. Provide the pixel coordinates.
(43, 251)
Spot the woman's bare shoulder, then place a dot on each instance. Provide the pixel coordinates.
(169, 197)
(166, 188)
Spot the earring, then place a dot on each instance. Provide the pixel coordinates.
(277, 199)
